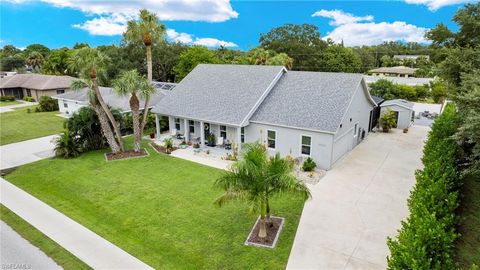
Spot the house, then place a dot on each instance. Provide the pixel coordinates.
(412, 57)
(399, 71)
(410, 81)
(72, 101)
(404, 113)
(34, 85)
(302, 114)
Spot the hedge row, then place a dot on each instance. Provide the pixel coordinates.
(426, 239)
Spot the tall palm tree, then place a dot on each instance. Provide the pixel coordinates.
(35, 60)
(133, 84)
(90, 63)
(149, 31)
(255, 178)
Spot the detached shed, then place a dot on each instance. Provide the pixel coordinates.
(403, 110)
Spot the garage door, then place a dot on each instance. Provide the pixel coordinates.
(342, 146)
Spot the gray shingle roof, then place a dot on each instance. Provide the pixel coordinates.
(111, 98)
(399, 102)
(377, 100)
(394, 70)
(36, 81)
(219, 93)
(399, 80)
(310, 100)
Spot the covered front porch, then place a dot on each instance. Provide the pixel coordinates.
(200, 134)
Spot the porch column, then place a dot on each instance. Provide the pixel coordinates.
(239, 139)
(157, 126)
(171, 124)
(202, 134)
(187, 130)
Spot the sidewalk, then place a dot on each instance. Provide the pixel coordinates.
(20, 153)
(11, 107)
(89, 247)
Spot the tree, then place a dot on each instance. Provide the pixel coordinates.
(79, 45)
(383, 88)
(336, 58)
(260, 56)
(468, 18)
(35, 60)
(439, 91)
(57, 62)
(66, 146)
(191, 57)
(9, 50)
(281, 59)
(440, 35)
(256, 179)
(387, 120)
(90, 63)
(149, 31)
(42, 49)
(85, 126)
(133, 84)
(11, 63)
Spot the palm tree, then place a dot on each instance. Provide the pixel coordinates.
(90, 63)
(133, 84)
(35, 60)
(255, 178)
(148, 30)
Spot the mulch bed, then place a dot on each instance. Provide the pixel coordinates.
(273, 231)
(126, 155)
(161, 149)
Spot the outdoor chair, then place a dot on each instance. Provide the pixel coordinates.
(220, 141)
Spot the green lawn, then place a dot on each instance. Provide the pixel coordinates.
(158, 208)
(468, 244)
(19, 125)
(61, 256)
(8, 103)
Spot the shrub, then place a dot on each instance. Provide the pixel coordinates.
(85, 127)
(309, 165)
(168, 143)
(426, 239)
(211, 141)
(29, 99)
(66, 146)
(47, 104)
(7, 98)
(387, 120)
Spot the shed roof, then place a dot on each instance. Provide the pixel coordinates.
(398, 102)
(36, 81)
(377, 100)
(309, 100)
(226, 94)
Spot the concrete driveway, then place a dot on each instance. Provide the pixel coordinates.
(358, 204)
(20, 153)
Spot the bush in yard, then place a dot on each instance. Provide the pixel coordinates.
(387, 120)
(426, 239)
(29, 99)
(168, 142)
(47, 104)
(85, 127)
(66, 146)
(309, 165)
(7, 98)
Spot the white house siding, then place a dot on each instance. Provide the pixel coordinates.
(72, 107)
(404, 115)
(288, 142)
(359, 113)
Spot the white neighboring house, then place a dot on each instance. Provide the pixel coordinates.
(302, 114)
(72, 101)
(404, 113)
(410, 81)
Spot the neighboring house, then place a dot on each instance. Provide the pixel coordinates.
(399, 71)
(72, 101)
(404, 113)
(34, 85)
(410, 81)
(403, 57)
(302, 114)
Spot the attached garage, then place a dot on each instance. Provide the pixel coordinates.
(403, 110)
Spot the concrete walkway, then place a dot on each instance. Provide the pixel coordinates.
(16, 154)
(89, 247)
(16, 252)
(358, 204)
(188, 154)
(12, 107)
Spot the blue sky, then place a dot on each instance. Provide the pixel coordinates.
(235, 24)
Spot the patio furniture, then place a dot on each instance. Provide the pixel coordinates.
(180, 136)
(228, 145)
(220, 141)
(173, 132)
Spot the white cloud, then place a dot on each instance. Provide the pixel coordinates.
(436, 4)
(105, 26)
(339, 17)
(189, 39)
(356, 34)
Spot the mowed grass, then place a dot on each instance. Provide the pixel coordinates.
(8, 103)
(468, 244)
(19, 125)
(61, 256)
(159, 209)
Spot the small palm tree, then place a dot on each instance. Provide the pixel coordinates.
(255, 178)
(133, 84)
(66, 146)
(90, 64)
(149, 31)
(35, 60)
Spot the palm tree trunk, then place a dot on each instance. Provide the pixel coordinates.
(262, 233)
(106, 128)
(147, 99)
(268, 219)
(134, 106)
(149, 62)
(109, 114)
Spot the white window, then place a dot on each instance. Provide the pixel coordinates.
(306, 145)
(177, 124)
(242, 133)
(191, 125)
(271, 138)
(223, 132)
(355, 130)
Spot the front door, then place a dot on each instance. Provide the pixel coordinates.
(206, 131)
